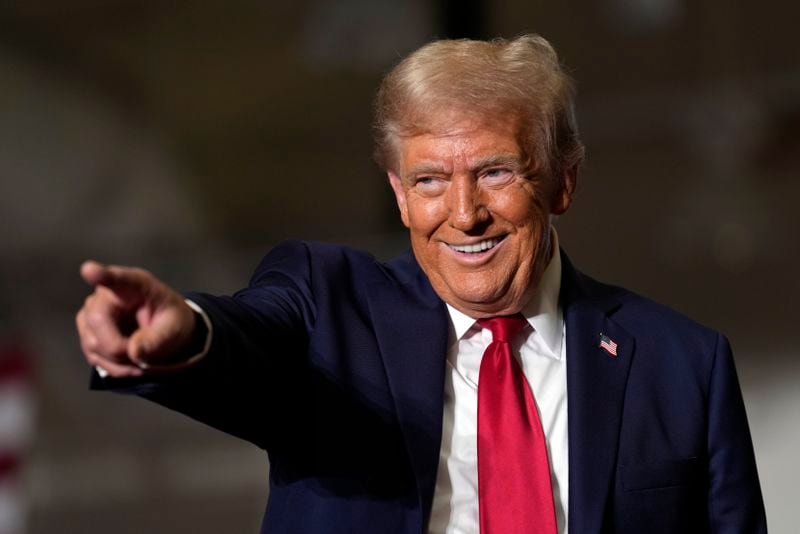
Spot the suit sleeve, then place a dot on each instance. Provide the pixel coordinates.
(257, 358)
(735, 502)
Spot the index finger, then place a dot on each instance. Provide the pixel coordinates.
(126, 282)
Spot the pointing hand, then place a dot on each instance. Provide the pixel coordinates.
(132, 321)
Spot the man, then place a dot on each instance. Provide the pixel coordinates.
(481, 384)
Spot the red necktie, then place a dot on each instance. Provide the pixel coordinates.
(514, 489)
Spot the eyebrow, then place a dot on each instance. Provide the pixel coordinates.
(427, 167)
(497, 160)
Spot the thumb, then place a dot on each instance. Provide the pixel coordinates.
(165, 340)
(141, 346)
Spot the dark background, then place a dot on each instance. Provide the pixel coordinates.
(189, 137)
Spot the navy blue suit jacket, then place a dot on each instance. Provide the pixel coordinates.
(334, 364)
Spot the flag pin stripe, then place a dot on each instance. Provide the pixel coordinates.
(608, 345)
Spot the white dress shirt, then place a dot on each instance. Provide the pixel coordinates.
(543, 358)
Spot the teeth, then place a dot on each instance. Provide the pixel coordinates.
(477, 247)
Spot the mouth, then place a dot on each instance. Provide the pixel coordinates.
(479, 248)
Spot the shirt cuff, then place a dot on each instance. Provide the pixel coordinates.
(180, 365)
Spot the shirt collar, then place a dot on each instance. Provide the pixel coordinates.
(542, 311)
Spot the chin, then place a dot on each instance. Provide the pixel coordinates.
(483, 301)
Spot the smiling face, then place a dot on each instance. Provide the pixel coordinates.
(478, 215)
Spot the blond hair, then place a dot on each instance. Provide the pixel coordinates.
(449, 79)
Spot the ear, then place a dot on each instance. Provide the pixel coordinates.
(400, 196)
(566, 192)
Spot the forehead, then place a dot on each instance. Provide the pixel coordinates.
(447, 144)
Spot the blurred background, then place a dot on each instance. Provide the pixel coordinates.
(189, 137)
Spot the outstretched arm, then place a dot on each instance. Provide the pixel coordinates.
(147, 338)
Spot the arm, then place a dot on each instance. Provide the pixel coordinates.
(735, 503)
(256, 358)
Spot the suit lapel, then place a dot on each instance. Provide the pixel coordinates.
(411, 326)
(596, 383)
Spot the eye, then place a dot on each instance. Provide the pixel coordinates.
(429, 185)
(497, 176)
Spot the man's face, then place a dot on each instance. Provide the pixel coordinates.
(479, 218)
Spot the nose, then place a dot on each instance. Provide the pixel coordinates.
(467, 210)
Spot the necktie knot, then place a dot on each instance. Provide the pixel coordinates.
(505, 328)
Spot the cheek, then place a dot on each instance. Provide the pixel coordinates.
(522, 208)
(425, 215)
(523, 211)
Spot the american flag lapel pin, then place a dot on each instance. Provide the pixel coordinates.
(608, 345)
